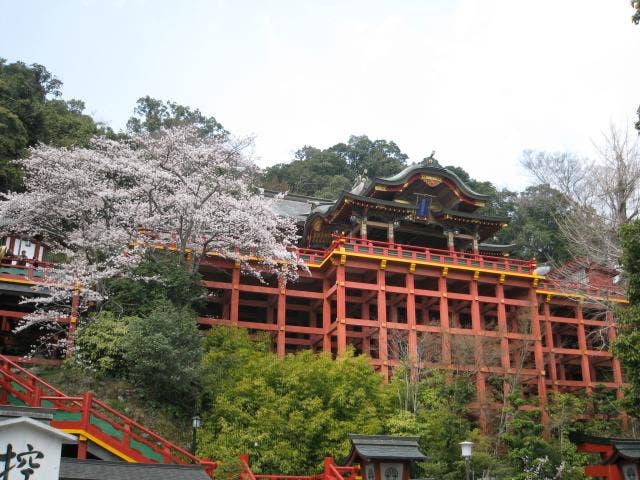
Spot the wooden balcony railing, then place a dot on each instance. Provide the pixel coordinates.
(410, 252)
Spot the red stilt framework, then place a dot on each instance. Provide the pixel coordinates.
(456, 311)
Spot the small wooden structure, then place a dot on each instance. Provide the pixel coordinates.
(382, 457)
(619, 457)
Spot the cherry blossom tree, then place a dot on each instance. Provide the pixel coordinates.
(102, 207)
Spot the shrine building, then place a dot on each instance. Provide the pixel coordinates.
(404, 268)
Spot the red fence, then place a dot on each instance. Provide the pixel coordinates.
(93, 417)
(410, 252)
(331, 472)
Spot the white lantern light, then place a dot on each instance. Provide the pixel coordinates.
(196, 422)
(467, 449)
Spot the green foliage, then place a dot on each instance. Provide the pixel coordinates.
(289, 413)
(159, 277)
(162, 351)
(625, 346)
(150, 115)
(31, 112)
(100, 343)
(533, 226)
(442, 421)
(118, 393)
(325, 173)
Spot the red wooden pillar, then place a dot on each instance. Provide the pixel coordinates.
(536, 333)
(282, 317)
(444, 321)
(235, 294)
(366, 340)
(617, 371)
(326, 317)
(411, 316)
(383, 346)
(505, 360)
(82, 447)
(582, 345)
(341, 308)
(476, 328)
(551, 357)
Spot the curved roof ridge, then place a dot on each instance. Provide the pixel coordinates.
(402, 176)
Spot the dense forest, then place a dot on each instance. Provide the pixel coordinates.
(289, 413)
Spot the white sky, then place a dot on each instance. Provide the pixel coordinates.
(476, 80)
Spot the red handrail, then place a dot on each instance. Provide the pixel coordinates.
(90, 407)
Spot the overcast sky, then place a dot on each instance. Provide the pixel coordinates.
(476, 80)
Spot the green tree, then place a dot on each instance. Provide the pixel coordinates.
(625, 346)
(162, 351)
(158, 278)
(100, 343)
(325, 173)
(31, 111)
(150, 115)
(533, 226)
(286, 413)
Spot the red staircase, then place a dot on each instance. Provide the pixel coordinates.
(92, 419)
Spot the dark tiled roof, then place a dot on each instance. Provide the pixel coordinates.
(72, 469)
(382, 447)
(624, 447)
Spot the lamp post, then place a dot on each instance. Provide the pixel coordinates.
(467, 451)
(196, 423)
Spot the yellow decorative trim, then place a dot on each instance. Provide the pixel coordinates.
(106, 446)
(14, 280)
(412, 267)
(502, 277)
(383, 264)
(445, 271)
(479, 203)
(343, 259)
(431, 180)
(381, 188)
(476, 275)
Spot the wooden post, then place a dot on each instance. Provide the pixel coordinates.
(411, 317)
(551, 357)
(326, 317)
(390, 235)
(582, 344)
(366, 340)
(82, 447)
(444, 321)
(476, 328)
(536, 333)
(363, 229)
(235, 294)
(383, 353)
(505, 360)
(282, 316)
(341, 309)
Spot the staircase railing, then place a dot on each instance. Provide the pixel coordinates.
(92, 417)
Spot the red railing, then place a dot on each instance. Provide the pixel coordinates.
(93, 417)
(21, 269)
(410, 252)
(331, 472)
(561, 286)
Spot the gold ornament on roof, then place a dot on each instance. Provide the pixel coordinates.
(430, 180)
